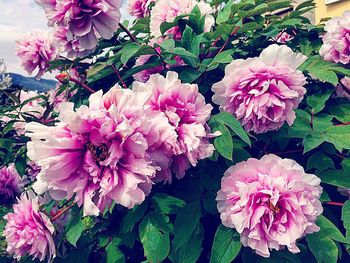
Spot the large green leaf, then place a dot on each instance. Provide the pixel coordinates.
(167, 204)
(226, 245)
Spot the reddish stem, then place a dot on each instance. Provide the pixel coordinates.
(82, 85)
(61, 212)
(334, 203)
(133, 39)
(343, 124)
(120, 78)
(228, 39)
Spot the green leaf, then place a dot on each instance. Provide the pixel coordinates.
(226, 245)
(317, 102)
(345, 217)
(155, 241)
(128, 51)
(186, 222)
(320, 161)
(133, 216)
(74, 229)
(113, 253)
(224, 143)
(230, 121)
(340, 112)
(329, 229)
(225, 13)
(224, 57)
(21, 165)
(167, 204)
(323, 248)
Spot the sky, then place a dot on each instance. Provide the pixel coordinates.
(19, 17)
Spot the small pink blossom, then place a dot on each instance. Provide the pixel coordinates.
(29, 231)
(336, 41)
(185, 141)
(168, 10)
(263, 92)
(140, 8)
(271, 203)
(10, 183)
(283, 37)
(99, 154)
(343, 88)
(85, 21)
(35, 51)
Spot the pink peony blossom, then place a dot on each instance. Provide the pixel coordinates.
(336, 41)
(85, 20)
(144, 75)
(185, 141)
(271, 202)
(283, 37)
(343, 88)
(168, 10)
(97, 153)
(35, 51)
(29, 231)
(140, 8)
(263, 92)
(68, 44)
(10, 183)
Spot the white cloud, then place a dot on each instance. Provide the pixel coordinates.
(20, 17)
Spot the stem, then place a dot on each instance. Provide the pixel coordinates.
(82, 85)
(291, 151)
(61, 212)
(161, 58)
(133, 39)
(334, 203)
(120, 78)
(343, 124)
(228, 39)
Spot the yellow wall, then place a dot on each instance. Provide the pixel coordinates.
(330, 10)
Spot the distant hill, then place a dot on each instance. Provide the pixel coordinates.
(29, 83)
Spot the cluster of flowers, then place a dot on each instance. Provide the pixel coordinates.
(336, 48)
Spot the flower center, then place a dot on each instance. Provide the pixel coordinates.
(99, 153)
(273, 208)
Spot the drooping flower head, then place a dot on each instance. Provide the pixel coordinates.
(97, 153)
(263, 92)
(140, 8)
(336, 41)
(186, 140)
(35, 51)
(10, 183)
(29, 231)
(168, 10)
(84, 20)
(271, 202)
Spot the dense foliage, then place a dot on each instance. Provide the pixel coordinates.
(121, 164)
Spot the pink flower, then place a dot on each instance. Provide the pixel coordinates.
(144, 75)
(271, 202)
(336, 41)
(283, 37)
(168, 10)
(29, 231)
(97, 153)
(85, 20)
(140, 8)
(68, 44)
(185, 141)
(343, 88)
(10, 183)
(35, 51)
(263, 92)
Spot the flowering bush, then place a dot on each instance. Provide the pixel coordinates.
(202, 131)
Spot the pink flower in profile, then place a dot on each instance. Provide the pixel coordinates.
(35, 51)
(336, 41)
(186, 140)
(10, 183)
(343, 88)
(263, 92)
(271, 202)
(144, 75)
(97, 154)
(68, 44)
(140, 8)
(29, 231)
(168, 10)
(85, 20)
(283, 37)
